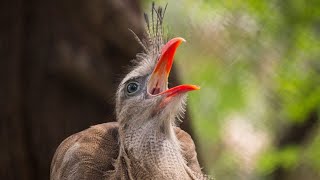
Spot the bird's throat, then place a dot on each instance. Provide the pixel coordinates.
(152, 150)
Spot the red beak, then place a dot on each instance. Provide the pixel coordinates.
(158, 82)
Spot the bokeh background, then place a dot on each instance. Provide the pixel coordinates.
(258, 65)
(256, 116)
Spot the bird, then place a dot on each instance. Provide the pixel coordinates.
(145, 141)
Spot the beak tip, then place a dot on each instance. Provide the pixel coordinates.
(195, 87)
(177, 40)
(182, 39)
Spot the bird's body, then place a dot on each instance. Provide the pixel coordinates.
(144, 143)
(94, 154)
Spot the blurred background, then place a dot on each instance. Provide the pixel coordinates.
(258, 65)
(257, 62)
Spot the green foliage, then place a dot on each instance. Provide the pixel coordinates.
(256, 60)
(286, 158)
(313, 153)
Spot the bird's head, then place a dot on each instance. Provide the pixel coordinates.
(143, 95)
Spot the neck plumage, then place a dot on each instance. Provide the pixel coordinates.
(152, 151)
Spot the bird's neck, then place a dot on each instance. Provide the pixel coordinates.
(150, 132)
(153, 148)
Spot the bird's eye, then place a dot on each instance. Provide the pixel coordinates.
(132, 87)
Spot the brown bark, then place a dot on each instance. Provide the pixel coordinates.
(60, 64)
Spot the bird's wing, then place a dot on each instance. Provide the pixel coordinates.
(189, 150)
(88, 154)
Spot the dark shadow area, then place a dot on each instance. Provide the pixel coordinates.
(60, 65)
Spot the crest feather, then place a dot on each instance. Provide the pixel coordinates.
(152, 41)
(154, 33)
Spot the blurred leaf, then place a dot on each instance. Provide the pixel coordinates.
(286, 158)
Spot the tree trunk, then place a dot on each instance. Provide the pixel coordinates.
(61, 62)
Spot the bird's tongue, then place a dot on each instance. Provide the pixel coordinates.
(158, 82)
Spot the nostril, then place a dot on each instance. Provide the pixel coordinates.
(155, 91)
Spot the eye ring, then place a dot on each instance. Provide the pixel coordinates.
(132, 88)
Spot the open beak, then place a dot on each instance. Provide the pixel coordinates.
(158, 82)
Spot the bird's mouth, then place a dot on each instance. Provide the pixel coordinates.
(158, 82)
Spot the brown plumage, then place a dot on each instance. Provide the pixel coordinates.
(90, 154)
(144, 143)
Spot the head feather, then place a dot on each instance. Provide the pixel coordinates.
(153, 39)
